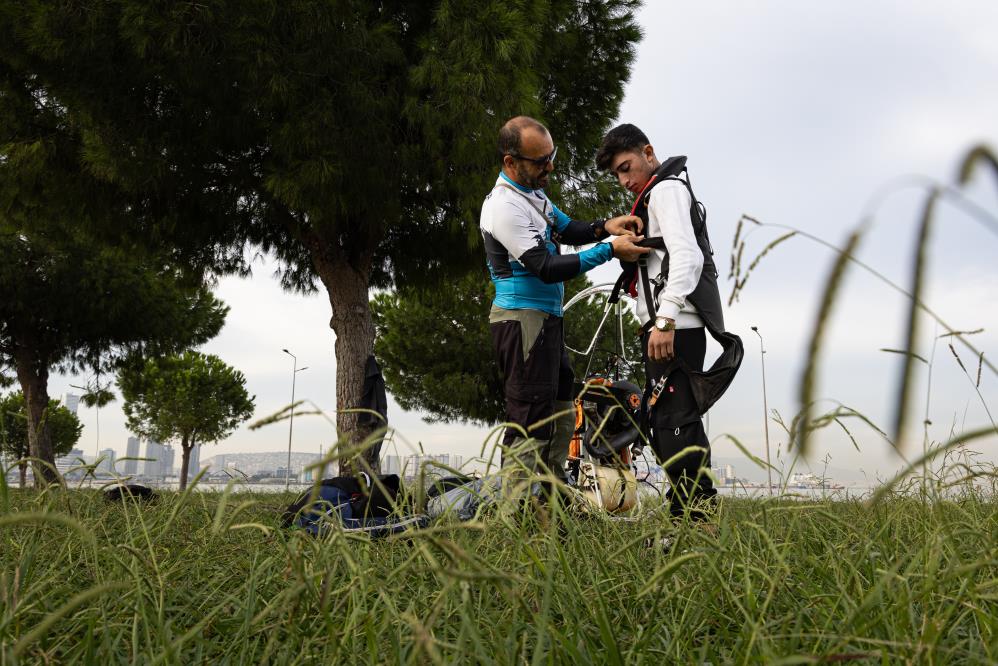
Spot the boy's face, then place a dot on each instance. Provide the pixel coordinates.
(633, 168)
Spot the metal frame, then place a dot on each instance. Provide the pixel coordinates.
(625, 301)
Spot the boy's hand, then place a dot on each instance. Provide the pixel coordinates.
(661, 345)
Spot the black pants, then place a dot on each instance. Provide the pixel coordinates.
(532, 384)
(676, 424)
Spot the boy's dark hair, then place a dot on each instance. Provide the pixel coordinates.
(621, 138)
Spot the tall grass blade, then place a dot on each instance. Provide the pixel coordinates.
(42, 628)
(885, 489)
(662, 572)
(977, 155)
(906, 383)
(809, 379)
(30, 517)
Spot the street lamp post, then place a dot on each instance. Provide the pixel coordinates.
(291, 421)
(100, 397)
(765, 407)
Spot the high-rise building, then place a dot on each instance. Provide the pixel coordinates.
(725, 474)
(71, 401)
(154, 453)
(132, 451)
(106, 458)
(69, 461)
(437, 464)
(391, 465)
(194, 464)
(166, 469)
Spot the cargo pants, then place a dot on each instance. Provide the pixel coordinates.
(676, 424)
(537, 379)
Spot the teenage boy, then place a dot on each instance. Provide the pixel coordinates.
(677, 299)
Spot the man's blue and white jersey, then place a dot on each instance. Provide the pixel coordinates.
(521, 229)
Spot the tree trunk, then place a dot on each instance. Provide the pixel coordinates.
(185, 461)
(33, 377)
(354, 328)
(23, 467)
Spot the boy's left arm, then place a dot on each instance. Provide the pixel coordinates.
(670, 207)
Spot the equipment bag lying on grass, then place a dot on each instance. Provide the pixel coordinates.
(122, 491)
(355, 504)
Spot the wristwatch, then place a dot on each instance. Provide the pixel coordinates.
(664, 324)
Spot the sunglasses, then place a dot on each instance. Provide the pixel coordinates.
(538, 161)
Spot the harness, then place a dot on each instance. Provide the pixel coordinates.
(673, 168)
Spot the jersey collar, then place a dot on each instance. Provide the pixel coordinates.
(515, 184)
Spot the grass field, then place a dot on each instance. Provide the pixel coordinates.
(210, 578)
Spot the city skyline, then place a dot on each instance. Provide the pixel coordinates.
(166, 466)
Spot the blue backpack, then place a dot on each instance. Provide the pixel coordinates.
(353, 504)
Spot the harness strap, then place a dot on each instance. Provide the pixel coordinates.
(698, 205)
(646, 287)
(656, 243)
(619, 286)
(624, 281)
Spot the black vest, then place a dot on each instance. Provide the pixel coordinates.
(705, 297)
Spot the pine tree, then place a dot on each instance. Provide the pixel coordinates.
(190, 398)
(82, 281)
(64, 426)
(70, 304)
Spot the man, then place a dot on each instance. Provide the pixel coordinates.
(674, 305)
(522, 230)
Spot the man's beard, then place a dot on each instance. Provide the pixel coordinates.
(530, 181)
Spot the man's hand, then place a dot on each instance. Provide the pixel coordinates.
(624, 225)
(625, 249)
(661, 345)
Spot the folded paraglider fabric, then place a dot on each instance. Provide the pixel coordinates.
(464, 501)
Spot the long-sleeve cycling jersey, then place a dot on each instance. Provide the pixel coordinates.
(522, 229)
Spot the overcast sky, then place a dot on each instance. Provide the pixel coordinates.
(797, 114)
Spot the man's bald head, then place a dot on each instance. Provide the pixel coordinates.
(527, 152)
(511, 134)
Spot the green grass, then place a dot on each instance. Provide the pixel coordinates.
(207, 578)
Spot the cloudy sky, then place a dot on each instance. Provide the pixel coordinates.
(799, 114)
